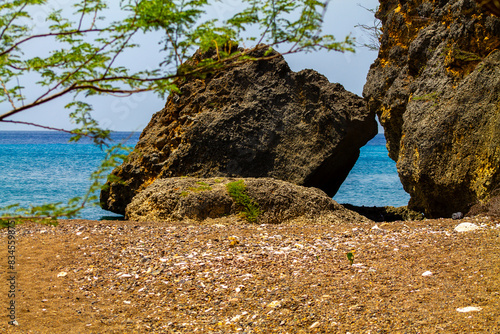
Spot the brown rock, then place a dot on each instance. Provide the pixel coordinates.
(436, 89)
(257, 119)
(273, 201)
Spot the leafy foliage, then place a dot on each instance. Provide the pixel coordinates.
(83, 51)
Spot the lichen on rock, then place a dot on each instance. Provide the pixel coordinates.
(435, 87)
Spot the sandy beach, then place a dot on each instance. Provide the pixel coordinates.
(226, 276)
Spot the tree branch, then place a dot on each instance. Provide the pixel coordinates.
(12, 20)
(75, 32)
(38, 125)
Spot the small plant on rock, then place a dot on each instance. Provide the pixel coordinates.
(238, 191)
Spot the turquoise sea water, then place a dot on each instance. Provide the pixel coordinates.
(42, 167)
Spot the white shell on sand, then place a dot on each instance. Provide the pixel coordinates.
(469, 309)
(466, 227)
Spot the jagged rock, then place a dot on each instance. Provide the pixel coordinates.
(274, 201)
(257, 119)
(436, 89)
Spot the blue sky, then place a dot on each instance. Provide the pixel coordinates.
(133, 113)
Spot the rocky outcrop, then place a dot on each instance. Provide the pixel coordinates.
(257, 119)
(436, 89)
(262, 200)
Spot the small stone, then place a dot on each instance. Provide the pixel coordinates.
(466, 227)
(457, 215)
(469, 309)
(427, 273)
(127, 302)
(316, 324)
(62, 274)
(14, 323)
(274, 304)
(236, 318)
(125, 276)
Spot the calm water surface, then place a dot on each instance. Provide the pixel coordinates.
(42, 167)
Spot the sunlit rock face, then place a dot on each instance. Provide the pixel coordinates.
(254, 119)
(435, 87)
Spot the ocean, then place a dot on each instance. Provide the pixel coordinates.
(42, 167)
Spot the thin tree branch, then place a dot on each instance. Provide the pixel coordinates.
(79, 67)
(7, 94)
(12, 20)
(87, 85)
(120, 51)
(83, 14)
(39, 126)
(75, 32)
(37, 102)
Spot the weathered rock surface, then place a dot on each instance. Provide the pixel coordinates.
(179, 198)
(436, 89)
(257, 119)
(490, 6)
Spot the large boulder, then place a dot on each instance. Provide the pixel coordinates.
(255, 119)
(436, 89)
(262, 200)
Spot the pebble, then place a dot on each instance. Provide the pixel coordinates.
(316, 324)
(466, 227)
(457, 215)
(62, 274)
(274, 304)
(427, 273)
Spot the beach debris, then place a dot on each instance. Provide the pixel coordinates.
(62, 274)
(316, 324)
(469, 309)
(466, 227)
(427, 273)
(274, 304)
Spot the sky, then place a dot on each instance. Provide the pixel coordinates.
(133, 113)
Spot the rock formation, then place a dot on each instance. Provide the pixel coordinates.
(257, 119)
(268, 200)
(436, 89)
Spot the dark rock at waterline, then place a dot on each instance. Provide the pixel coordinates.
(436, 89)
(257, 119)
(271, 200)
(385, 213)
